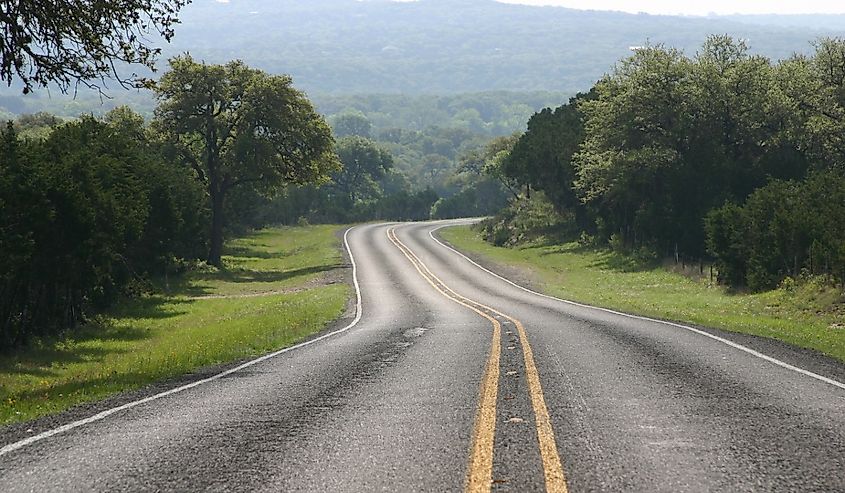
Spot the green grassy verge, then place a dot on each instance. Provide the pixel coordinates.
(273, 291)
(808, 315)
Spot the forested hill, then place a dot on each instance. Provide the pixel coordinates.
(449, 46)
(430, 47)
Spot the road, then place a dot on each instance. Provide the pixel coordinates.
(453, 379)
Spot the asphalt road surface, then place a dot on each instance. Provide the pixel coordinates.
(453, 379)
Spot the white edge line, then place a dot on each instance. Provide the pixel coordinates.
(99, 416)
(637, 317)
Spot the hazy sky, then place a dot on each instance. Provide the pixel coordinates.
(702, 7)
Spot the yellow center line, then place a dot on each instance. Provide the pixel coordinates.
(479, 476)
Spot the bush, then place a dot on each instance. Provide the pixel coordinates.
(785, 229)
(85, 215)
(528, 220)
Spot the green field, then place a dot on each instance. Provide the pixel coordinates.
(277, 286)
(808, 315)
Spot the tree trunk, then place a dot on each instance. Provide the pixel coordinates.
(216, 250)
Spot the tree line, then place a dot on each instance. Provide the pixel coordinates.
(724, 155)
(91, 209)
(84, 213)
(376, 183)
(449, 47)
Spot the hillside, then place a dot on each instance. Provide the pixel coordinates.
(442, 47)
(447, 46)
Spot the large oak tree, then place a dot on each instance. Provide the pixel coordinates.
(237, 126)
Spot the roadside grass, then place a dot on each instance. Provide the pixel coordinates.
(276, 288)
(808, 315)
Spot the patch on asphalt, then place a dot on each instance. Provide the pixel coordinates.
(415, 332)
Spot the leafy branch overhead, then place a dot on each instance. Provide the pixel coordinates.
(68, 42)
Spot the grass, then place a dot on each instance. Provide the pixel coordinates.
(272, 292)
(808, 315)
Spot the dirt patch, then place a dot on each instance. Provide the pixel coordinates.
(333, 276)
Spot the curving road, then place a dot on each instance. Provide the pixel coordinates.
(451, 379)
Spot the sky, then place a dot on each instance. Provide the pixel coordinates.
(703, 7)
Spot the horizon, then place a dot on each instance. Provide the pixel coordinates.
(713, 7)
(672, 8)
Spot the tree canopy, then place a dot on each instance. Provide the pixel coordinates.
(84, 213)
(722, 154)
(237, 126)
(67, 42)
(364, 164)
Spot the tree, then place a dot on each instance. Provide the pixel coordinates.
(177, 207)
(635, 132)
(84, 212)
(669, 138)
(786, 228)
(364, 164)
(351, 123)
(825, 98)
(67, 41)
(237, 126)
(75, 204)
(542, 158)
(489, 161)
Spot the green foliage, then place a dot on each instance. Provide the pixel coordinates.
(784, 229)
(428, 137)
(240, 127)
(668, 138)
(37, 126)
(400, 176)
(489, 161)
(69, 43)
(486, 113)
(542, 158)
(364, 163)
(725, 227)
(481, 188)
(526, 221)
(477, 198)
(319, 205)
(647, 159)
(351, 123)
(84, 213)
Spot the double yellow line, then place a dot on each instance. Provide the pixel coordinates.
(480, 471)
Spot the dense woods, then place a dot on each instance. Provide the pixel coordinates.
(93, 209)
(87, 213)
(723, 155)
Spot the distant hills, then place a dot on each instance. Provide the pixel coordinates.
(454, 46)
(341, 47)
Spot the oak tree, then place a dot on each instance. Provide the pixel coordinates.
(237, 126)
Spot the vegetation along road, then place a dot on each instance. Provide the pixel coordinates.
(450, 377)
